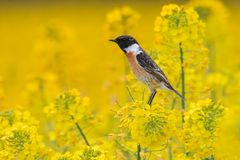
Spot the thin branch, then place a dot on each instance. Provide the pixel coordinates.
(182, 80)
(157, 150)
(130, 94)
(118, 104)
(81, 132)
(124, 148)
(138, 152)
(173, 103)
(170, 156)
(150, 153)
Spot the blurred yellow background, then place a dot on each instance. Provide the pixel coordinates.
(25, 25)
(47, 47)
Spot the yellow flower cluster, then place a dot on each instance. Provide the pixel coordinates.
(93, 153)
(215, 14)
(156, 127)
(87, 153)
(201, 128)
(121, 20)
(178, 25)
(148, 125)
(180, 33)
(68, 110)
(19, 138)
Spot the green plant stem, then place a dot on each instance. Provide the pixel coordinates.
(81, 132)
(182, 80)
(170, 152)
(124, 149)
(212, 65)
(130, 94)
(138, 152)
(41, 87)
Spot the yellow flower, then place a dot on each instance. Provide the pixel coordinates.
(144, 121)
(200, 128)
(127, 113)
(93, 153)
(178, 24)
(121, 20)
(71, 111)
(20, 137)
(66, 156)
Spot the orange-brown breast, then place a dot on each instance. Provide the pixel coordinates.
(133, 62)
(139, 72)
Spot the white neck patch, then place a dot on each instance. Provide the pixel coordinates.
(133, 48)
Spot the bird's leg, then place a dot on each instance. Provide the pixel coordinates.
(152, 95)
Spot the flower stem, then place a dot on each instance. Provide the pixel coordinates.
(182, 80)
(170, 153)
(81, 132)
(212, 64)
(138, 152)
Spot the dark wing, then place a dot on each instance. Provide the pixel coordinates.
(151, 67)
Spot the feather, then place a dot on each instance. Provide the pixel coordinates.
(145, 61)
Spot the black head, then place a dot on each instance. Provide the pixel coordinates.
(124, 41)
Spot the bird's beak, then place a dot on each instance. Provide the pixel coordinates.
(113, 40)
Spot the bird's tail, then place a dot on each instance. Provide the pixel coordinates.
(178, 94)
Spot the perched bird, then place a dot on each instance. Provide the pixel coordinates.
(144, 68)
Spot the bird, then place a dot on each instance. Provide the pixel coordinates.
(143, 66)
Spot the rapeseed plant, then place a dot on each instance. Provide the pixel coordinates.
(75, 111)
(19, 136)
(191, 42)
(178, 29)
